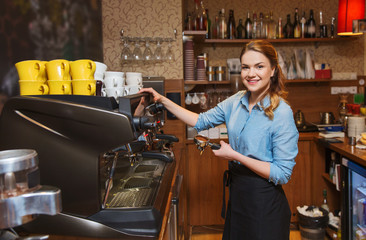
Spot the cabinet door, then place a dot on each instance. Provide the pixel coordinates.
(298, 189)
(204, 186)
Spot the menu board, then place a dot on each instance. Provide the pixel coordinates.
(46, 30)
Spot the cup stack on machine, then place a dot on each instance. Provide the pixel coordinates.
(79, 77)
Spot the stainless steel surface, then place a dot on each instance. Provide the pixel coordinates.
(15, 160)
(21, 209)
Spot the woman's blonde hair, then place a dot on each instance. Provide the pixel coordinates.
(276, 89)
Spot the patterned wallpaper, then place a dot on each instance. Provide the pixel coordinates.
(143, 18)
(158, 18)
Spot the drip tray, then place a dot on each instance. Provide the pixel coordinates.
(136, 182)
(131, 198)
(146, 168)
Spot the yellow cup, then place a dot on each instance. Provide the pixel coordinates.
(33, 87)
(30, 70)
(60, 87)
(58, 69)
(43, 73)
(83, 87)
(82, 69)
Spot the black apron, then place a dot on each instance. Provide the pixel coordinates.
(257, 209)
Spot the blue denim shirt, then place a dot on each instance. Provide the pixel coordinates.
(255, 135)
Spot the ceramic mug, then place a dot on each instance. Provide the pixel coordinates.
(84, 87)
(133, 89)
(100, 69)
(114, 79)
(58, 69)
(83, 69)
(115, 92)
(133, 78)
(32, 87)
(30, 70)
(60, 87)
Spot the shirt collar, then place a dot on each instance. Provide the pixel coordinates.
(264, 103)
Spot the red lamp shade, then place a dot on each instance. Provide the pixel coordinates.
(348, 10)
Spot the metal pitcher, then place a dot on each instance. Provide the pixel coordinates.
(327, 118)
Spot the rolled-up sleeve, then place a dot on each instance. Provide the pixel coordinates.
(211, 118)
(284, 149)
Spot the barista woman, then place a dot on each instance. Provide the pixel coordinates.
(262, 146)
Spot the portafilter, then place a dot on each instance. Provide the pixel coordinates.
(22, 197)
(202, 142)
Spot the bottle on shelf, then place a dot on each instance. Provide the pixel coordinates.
(311, 26)
(332, 28)
(279, 29)
(216, 28)
(255, 26)
(248, 27)
(231, 25)
(303, 25)
(196, 17)
(260, 26)
(189, 23)
(265, 26)
(208, 26)
(297, 26)
(240, 30)
(288, 30)
(323, 31)
(202, 18)
(222, 25)
(325, 202)
(271, 27)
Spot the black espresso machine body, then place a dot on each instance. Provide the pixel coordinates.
(74, 137)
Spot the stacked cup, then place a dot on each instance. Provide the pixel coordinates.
(32, 77)
(356, 125)
(59, 80)
(100, 70)
(114, 85)
(133, 82)
(82, 74)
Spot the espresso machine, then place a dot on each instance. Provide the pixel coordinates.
(111, 161)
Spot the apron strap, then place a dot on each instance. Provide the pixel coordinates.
(226, 182)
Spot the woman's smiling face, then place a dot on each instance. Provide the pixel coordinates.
(256, 71)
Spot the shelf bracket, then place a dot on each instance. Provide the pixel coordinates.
(214, 46)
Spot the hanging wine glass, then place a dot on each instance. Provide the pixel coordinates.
(126, 52)
(148, 55)
(137, 54)
(158, 54)
(169, 53)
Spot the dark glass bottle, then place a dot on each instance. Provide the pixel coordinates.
(231, 25)
(311, 26)
(288, 29)
(208, 25)
(248, 27)
(297, 26)
(323, 30)
(240, 30)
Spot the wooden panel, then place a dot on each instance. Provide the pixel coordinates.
(204, 186)
(298, 189)
(174, 85)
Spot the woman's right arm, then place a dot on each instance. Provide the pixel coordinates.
(181, 113)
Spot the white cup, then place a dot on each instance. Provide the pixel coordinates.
(100, 69)
(114, 79)
(115, 92)
(133, 89)
(133, 78)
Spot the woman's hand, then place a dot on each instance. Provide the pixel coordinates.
(225, 151)
(157, 97)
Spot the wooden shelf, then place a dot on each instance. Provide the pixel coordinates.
(326, 177)
(206, 82)
(307, 80)
(199, 36)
